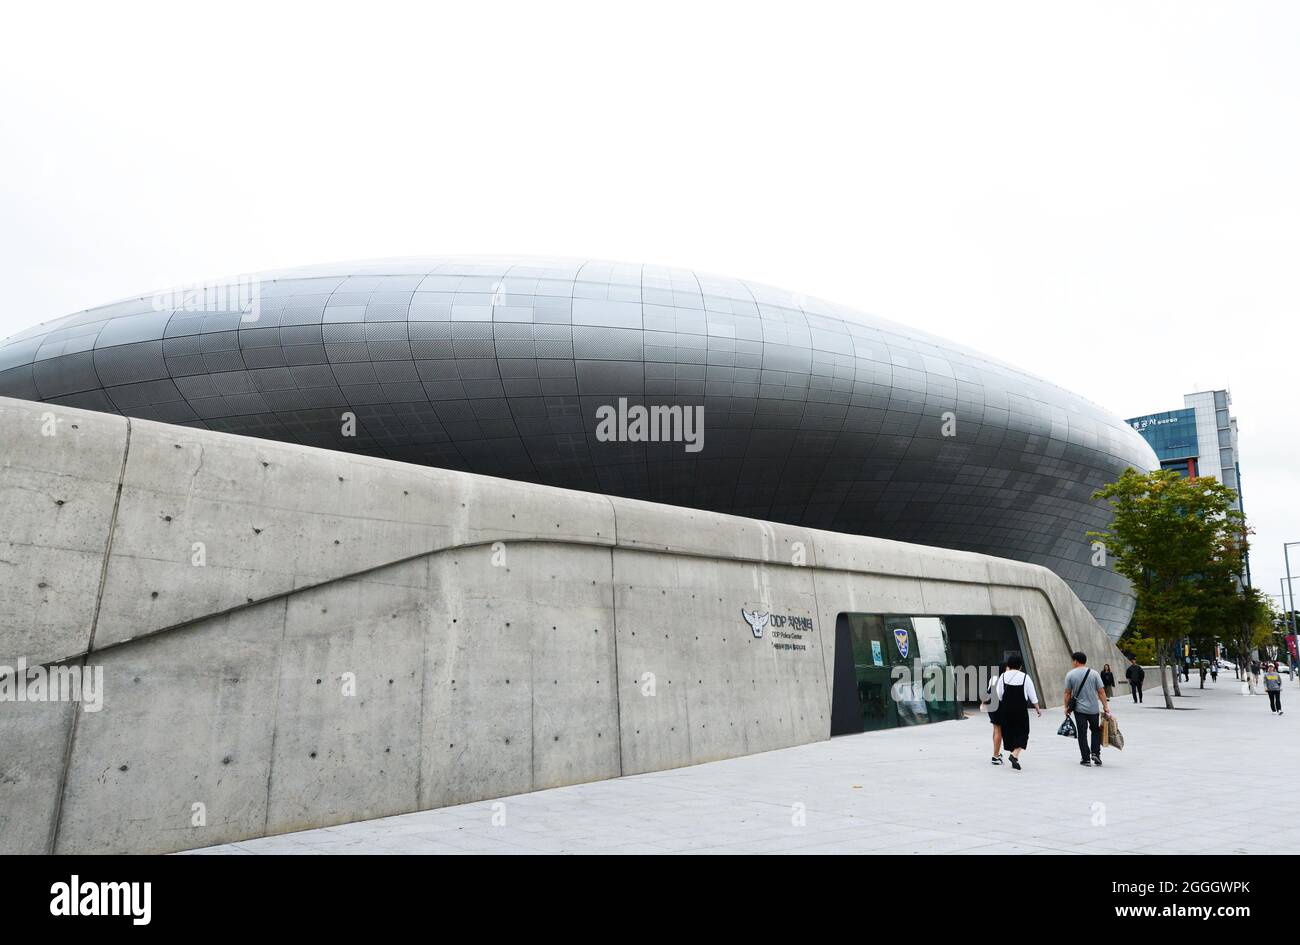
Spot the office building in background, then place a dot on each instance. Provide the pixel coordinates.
(1198, 440)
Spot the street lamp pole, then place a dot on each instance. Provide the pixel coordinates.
(1286, 556)
(1282, 587)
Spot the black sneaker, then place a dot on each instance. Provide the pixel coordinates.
(996, 759)
(1015, 762)
(1096, 760)
(1085, 762)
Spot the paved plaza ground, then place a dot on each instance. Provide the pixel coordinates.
(1221, 774)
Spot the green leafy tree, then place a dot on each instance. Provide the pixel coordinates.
(1142, 649)
(1281, 629)
(1250, 622)
(1167, 534)
(1241, 616)
(1217, 596)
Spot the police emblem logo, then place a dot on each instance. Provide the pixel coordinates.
(756, 621)
(901, 638)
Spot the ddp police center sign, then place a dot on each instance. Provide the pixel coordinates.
(786, 631)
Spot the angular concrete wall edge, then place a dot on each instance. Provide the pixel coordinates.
(498, 637)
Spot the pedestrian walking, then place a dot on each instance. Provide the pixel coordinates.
(1135, 675)
(1108, 680)
(1015, 695)
(1086, 697)
(994, 713)
(1201, 666)
(1214, 672)
(1254, 676)
(1273, 685)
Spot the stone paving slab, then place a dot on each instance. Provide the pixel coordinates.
(1220, 774)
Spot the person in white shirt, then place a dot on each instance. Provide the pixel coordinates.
(1015, 695)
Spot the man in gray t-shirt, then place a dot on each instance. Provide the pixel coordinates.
(1085, 688)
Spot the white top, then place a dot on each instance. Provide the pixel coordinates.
(1016, 677)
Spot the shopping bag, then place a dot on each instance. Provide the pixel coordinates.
(1105, 731)
(1067, 728)
(1116, 737)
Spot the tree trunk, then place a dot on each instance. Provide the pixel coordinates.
(1164, 680)
(1174, 661)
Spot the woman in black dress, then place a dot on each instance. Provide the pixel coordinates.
(994, 718)
(1015, 695)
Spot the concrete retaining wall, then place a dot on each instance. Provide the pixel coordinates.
(294, 638)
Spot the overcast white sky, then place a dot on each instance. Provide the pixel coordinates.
(1107, 194)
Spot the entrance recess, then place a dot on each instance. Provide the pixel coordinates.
(893, 670)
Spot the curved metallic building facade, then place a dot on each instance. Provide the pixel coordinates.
(813, 414)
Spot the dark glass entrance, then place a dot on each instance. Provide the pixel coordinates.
(890, 670)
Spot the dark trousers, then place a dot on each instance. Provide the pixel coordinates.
(1137, 691)
(1085, 722)
(1275, 701)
